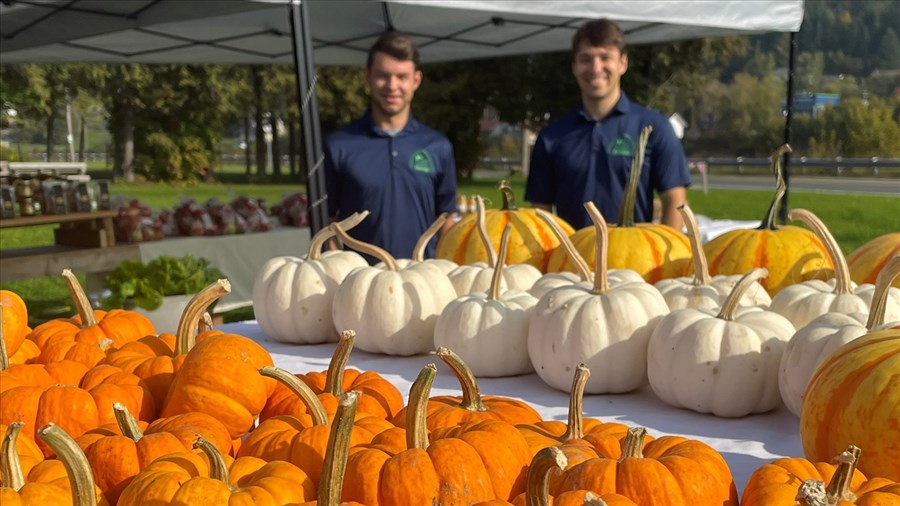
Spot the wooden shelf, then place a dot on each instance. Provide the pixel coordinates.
(52, 219)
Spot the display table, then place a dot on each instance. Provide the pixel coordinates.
(745, 443)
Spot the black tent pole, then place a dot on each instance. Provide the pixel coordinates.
(789, 116)
(309, 109)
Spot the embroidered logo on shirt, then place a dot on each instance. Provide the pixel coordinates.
(421, 161)
(622, 146)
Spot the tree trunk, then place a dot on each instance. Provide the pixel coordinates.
(82, 137)
(122, 122)
(247, 169)
(51, 120)
(260, 121)
(276, 147)
(292, 146)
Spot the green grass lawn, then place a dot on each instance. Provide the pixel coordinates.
(852, 219)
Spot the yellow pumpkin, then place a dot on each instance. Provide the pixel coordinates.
(791, 254)
(854, 398)
(653, 250)
(867, 261)
(530, 242)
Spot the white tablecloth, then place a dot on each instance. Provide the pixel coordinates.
(746, 443)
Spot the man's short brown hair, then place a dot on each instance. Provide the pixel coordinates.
(599, 33)
(396, 45)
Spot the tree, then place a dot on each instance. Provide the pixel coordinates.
(890, 50)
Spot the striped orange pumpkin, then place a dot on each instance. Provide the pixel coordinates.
(867, 261)
(790, 254)
(853, 398)
(531, 241)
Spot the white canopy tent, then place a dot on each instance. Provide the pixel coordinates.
(339, 32)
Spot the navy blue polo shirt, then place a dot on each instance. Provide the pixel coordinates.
(405, 180)
(577, 158)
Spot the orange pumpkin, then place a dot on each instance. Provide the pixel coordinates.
(867, 261)
(13, 320)
(530, 242)
(448, 411)
(778, 483)
(379, 397)
(853, 398)
(791, 254)
(652, 250)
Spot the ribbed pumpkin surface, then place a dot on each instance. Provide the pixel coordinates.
(867, 261)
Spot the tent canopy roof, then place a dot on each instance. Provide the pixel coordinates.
(258, 31)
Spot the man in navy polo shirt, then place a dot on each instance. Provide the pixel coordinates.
(587, 154)
(399, 169)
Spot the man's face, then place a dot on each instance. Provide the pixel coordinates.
(393, 83)
(598, 70)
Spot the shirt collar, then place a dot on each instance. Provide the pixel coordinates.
(623, 105)
(411, 126)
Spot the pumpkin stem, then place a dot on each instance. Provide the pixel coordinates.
(839, 487)
(841, 271)
(481, 225)
(878, 306)
(575, 423)
(509, 198)
(334, 376)
(633, 446)
(701, 266)
(768, 222)
(812, 493)
(729, 307)
(416, 428)
(82, 303)
(205, 324)
(418, 253)
(189, 323)
(626, 212)
(379, 253)
(537, 479)
(471, 396)
(601, 277)
(81, 480)
(10, 465)
(331, 482)
(313, 405)
(4, 355)
(581, 266)
(494, 290)
(322, 236)
(218, 469)
(127, 423)
(592, 499)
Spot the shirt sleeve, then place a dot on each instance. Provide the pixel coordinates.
(332, 180)
(445, 186)
(540, 187)
(669, 168)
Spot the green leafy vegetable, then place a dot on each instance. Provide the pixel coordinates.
(134, 283)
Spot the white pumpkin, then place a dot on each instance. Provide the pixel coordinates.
(703, 291)
(418, 253)
(476, 277)
(292, 296)
(605, 328)
(726, 363)
(553, 280)
(812, 344)
(393, 310)
(801, 302)
(489, 331)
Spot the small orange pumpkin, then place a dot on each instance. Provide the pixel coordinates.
(13, 320)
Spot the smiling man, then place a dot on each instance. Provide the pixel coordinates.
(387, 162)
(586, 154)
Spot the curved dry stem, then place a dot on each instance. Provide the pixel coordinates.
(218, 469)
(734, 297)
(878, 306)
(334, 377)
(494, 290)
(768, 222)
(509, 198)
(581, 265)
(701, 266)
(812, 493)
(481, 225)
(418, 253)
(575, 422)
(82, 303)
(601, 276)
(626, 212)
(186, 336)
(322, 236)
(4, 355)
(205, 324)
(537, 478)
(839, 487)
(81, 480)
(365, 247)
(471, 395)
(416, 428)
(313, 405)
(841, 271)
(10, 465)
(331, 482)
(127, 423)
(633, 446)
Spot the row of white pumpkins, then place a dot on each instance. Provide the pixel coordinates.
(715, 345)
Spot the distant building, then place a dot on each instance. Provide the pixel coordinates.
(813, 103)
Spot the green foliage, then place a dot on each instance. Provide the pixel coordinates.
(144, 285)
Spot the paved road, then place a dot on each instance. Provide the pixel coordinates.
(816, 184)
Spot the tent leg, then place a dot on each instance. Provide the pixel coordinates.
(309, 108)
(789, 116)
